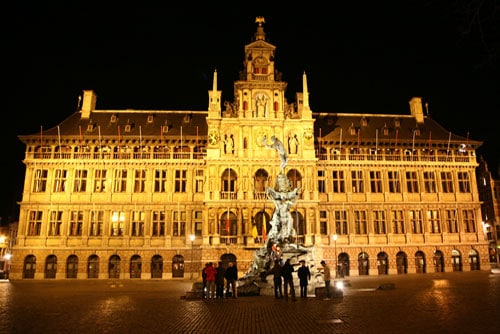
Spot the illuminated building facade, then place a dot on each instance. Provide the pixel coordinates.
(155, 194)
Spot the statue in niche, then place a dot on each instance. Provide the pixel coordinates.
(229, 144)
(293, 144)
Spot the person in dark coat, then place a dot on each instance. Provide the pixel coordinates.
(204, 278)
(231, 278)
(304, 277)
(219, 281)
(278, 281)
(286, 272)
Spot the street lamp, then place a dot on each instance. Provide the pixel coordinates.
(191, 237)
(336, 258)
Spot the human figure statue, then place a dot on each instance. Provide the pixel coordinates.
(278, 146)
(293, 144)
(283, 198)
(229, 144)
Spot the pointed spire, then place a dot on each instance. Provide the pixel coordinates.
(214, 88)
(305, 91)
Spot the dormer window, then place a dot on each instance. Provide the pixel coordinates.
(128, 127)
(90, 127)
(364, 121)
(114, 118)
(397, 123)
(186, 119)
(416, 131)
(150, 118)
(385, 130)
(164, 128)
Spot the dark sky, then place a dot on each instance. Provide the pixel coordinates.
(363, 57)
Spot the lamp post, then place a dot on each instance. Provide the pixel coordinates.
(336, 257)
(191, 237)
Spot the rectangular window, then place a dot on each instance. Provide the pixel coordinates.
(463, 182)
(338, 181)
(40, 181)
(340, 217)
(76, 223)
(416, 221)
(429, 182)
(394, 182)
(446, 182)
(376, 181)
(321, 181)
(379, 222)
(120, 181)
(35, 223)
(80, 181)
(451, 221)
(160, 181)
(357, 181)
(180, 181)
(433, 221)
(199, 180)
(55, 223)
(96, 222)
(100, 180)
(360, 222)
(117, 223)
(158, 226)
(179, 224)
(198, 223)
(139, 180)
(412, 182)
(323, 222)
(60, 178)
(398, 222)
(137, 228)
(468, 220)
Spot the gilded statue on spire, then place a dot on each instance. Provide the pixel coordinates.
(260, 20)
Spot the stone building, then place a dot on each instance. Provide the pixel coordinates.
(155, 194)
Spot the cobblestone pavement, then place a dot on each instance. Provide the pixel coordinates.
(467, 302)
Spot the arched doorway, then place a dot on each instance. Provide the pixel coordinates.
(363, 264)
(72, 266)
(29, 266)
(382, 263)
(114, 266)
(343, 263)
(438, 260)
(226, 258)
(474, 260)
(93, 266)
(456, 260)
(402, 263)
(178, 266)
(135, 266)
(420, 262)
(157, 266)
(50, 266)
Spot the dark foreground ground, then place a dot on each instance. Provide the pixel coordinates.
(467, 302)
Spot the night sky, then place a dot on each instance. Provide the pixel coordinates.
(360, 57)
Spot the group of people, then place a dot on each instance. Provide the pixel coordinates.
(282, 276)
(216, 278)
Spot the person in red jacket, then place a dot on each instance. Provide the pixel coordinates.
(211, 272)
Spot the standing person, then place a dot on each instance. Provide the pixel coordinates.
(304, 277)
(231, 277)
(204, 277)
(210, 273)
(219, 281)
(278, 281)
(326, 277)
(286, 272)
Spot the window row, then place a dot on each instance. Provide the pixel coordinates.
(394, 181)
